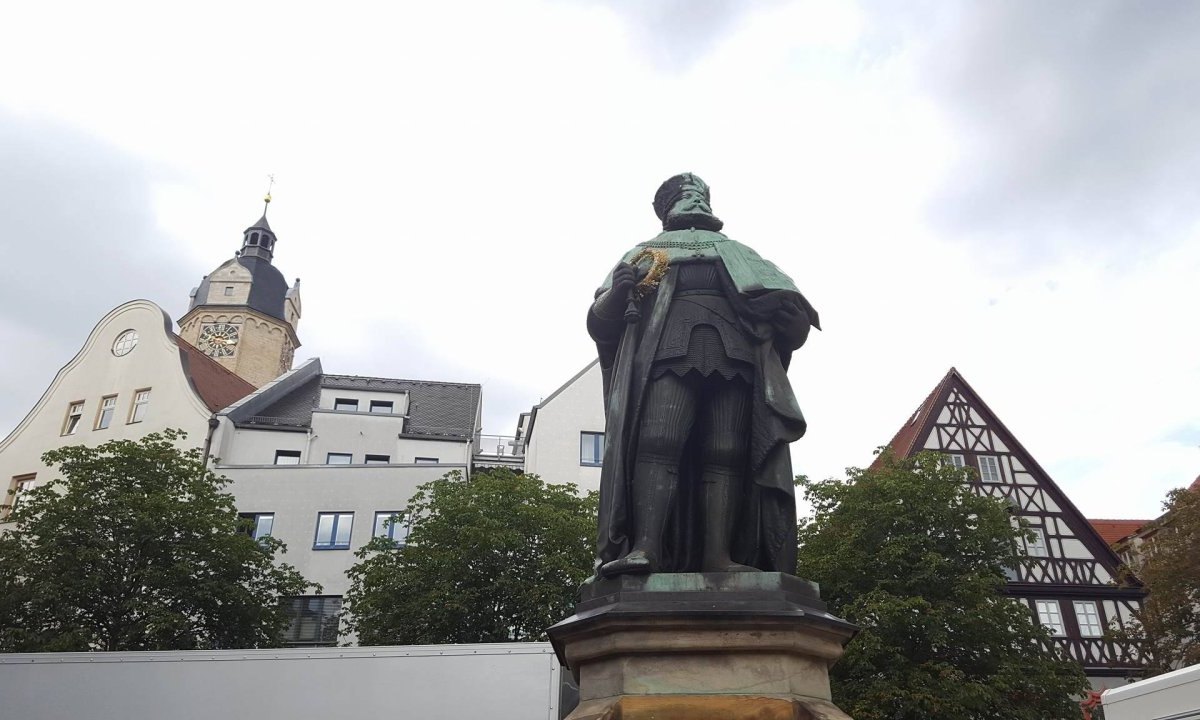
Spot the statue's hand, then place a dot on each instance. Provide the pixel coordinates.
(625, 276)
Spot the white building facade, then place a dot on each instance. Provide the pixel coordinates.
(133, 376)
(323, 462)
(563, 437)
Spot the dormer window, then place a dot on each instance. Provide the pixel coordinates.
(345, 404)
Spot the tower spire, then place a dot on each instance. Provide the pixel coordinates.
(258, 240)
(267, 197)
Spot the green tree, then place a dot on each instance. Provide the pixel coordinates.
(1166, 631)
(497, 558)
(913, 556)
(137, 547)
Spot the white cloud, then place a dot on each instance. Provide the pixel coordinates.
(454, 180)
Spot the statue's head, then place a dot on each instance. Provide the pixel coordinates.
(682, 202)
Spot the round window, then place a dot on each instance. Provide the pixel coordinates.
(125, 342)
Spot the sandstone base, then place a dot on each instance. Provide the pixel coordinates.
(719, 646)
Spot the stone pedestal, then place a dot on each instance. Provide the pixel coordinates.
(702, 646)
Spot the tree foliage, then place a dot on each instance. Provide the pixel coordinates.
(1166, 631)
(913, 556)
(497, 558)
(137, 547)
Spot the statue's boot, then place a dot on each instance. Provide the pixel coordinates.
(722, 496)
(653, 492)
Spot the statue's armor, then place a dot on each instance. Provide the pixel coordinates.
(702, 331)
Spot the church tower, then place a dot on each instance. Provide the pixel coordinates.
(244, 315)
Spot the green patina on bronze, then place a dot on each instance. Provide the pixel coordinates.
(750, 272)
(731, 507)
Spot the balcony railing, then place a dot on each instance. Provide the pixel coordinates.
(499, 446)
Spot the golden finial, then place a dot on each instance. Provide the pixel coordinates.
(270, 184)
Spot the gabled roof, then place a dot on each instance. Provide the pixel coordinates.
(435, 409)
(1114, 531)
(912, 438)
(216, 385)
(902, 444)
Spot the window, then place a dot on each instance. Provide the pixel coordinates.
(591, 448)
(989, 469)
(287, 457)
(381, 406)
(955, 461)
(108, 405)
(125, 343)
(314, 620)
(378, 459)
(345, 404)
(16, 487)
(228, 290)
(137, 411)
(1037, 546)
(333, 531)
(74, 415)
(392, 526)
(338, 459)
(259, 524)
(1088, 618)
(426, 461)
(1050, 616)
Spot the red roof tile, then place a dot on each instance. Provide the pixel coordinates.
(217, 387)
(1114, 531)
(902, 444)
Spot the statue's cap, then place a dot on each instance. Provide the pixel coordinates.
(669, 192)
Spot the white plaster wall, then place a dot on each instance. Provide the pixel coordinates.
(95, 372)
(297, 493)
(256, 447)
(553, 451)
(356, 433)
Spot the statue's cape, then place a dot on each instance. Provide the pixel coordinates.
(765, 533)
(751, 273)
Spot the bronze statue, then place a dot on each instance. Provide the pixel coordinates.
(694, 350)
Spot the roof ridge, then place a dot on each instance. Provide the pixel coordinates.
(403, 380)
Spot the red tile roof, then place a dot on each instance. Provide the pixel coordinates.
(217, 387)
(902, 443)
(1114, 531)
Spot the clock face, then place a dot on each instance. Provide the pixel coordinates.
(218, 339)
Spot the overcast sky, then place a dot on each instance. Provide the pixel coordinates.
(1008, 188)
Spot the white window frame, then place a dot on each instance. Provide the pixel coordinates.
(1037, 548)
(17, 487)
(104, 416)
(1087, 617)
(339, 455)
(955, 460)
(994, 464)
(74, 412)
(137, 409)
(1049, 615)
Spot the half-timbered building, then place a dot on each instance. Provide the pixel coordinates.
(1070, 579)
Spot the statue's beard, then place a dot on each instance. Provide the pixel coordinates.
(697, 220)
